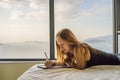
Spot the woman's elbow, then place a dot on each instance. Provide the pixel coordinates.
(80, 67)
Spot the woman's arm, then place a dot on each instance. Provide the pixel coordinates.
(79, 57)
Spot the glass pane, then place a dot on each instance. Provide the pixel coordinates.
(119, 44)
(90, 20)
(24, 28)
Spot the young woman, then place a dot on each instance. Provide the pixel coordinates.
(73, 53)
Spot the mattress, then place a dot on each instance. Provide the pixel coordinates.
(100, 72)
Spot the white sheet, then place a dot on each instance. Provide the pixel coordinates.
(102, 72)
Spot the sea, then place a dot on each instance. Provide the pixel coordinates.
(36, 49)
(28, 49)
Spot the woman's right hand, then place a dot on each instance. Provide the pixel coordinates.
(48, 63)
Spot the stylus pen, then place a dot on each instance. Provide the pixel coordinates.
(67, 64)
(46, 56)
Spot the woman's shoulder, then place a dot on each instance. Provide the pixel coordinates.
(88, 46)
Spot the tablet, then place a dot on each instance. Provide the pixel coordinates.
(42, 66)
(53, 67)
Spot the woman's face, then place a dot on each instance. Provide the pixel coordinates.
(64, 46)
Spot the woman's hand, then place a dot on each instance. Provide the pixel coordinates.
(48, 63)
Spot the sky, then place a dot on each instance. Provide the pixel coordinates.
(86, 18)
(28, 20)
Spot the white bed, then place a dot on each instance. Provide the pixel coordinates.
(101, 72)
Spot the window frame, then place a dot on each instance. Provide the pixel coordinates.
(116, 24)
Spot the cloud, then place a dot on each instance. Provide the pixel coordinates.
(26, 9)
(39, 9)
(70, 9)
(17, 14)
(65, 9)
(96, 10)
(13, 4)
(36, 4)
(39, 15)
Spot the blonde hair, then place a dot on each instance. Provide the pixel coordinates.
(78, 48)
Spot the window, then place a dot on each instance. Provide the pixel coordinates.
(24, 25)
(24, 29)
(90, 20)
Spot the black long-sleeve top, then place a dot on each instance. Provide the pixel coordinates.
(99, 57)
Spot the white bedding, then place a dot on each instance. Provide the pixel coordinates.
(101, 72)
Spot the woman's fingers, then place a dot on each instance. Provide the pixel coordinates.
(48, 63)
